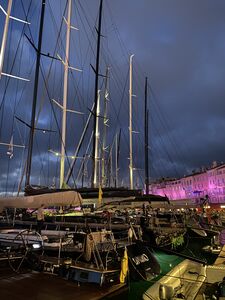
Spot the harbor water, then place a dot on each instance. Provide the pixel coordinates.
(192, 248)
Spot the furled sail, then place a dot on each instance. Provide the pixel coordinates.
(51, 199)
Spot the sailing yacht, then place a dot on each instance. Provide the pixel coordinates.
(92, 246)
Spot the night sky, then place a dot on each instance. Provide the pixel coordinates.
(178, 44)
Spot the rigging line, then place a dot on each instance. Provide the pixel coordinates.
(17, 86)
(58, 127)
(113, 67)
(92, 30)
(49, 98)
(81, 78)
(7, 58)
(51, 127)
(118, 33)
(78, 95)
(115, 129)
(73, 82)
(56, 45)
(9, 160)
(120, 105)
(88, 23)
(13, 63)
(166, 126)
(141, 140)
(20, 171)
(117, 119)
(163, 143)
(71, 72)
(12, 125)
(135, 117)
(157, 168)
(136, 121)
(122, 45)
(21, 96)
(105, 56)
(90, 47)
(86, 157)
(41, 159)
(7, 177)
(54, 53)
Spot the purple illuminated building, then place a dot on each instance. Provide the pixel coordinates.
(209, 182)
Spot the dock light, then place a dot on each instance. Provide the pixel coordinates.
(57, 154)
(36, 246)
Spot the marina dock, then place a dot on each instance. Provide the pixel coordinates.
(41, 286)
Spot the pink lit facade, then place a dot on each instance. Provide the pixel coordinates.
(210, 182)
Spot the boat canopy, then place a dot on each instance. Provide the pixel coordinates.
(51, 199)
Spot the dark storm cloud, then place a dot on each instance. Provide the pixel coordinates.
(179, 45)
(182, 46)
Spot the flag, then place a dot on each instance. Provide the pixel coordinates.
(124, 266)
(100, 193)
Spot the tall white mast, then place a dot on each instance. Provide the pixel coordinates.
(130, 125)
(4, 38)
(64, 108)
(96, 158)
(116, 161)
(105, 122)
(65, 92)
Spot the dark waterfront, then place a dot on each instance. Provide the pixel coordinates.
(38, 286)
(193, 248)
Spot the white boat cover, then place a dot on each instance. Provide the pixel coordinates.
(51, 199)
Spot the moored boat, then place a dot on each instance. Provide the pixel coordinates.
(182, 282)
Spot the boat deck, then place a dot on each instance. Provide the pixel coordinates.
(74, 264)
(215, 273)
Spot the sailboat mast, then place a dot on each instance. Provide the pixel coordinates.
(65, 92)
(146, 139)
(96, 158)
(4, 38)
(36, 80)
(116, 165)
(117, 157)
(105, 122)
(130, 125)
(94, 182)
(71, 167)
